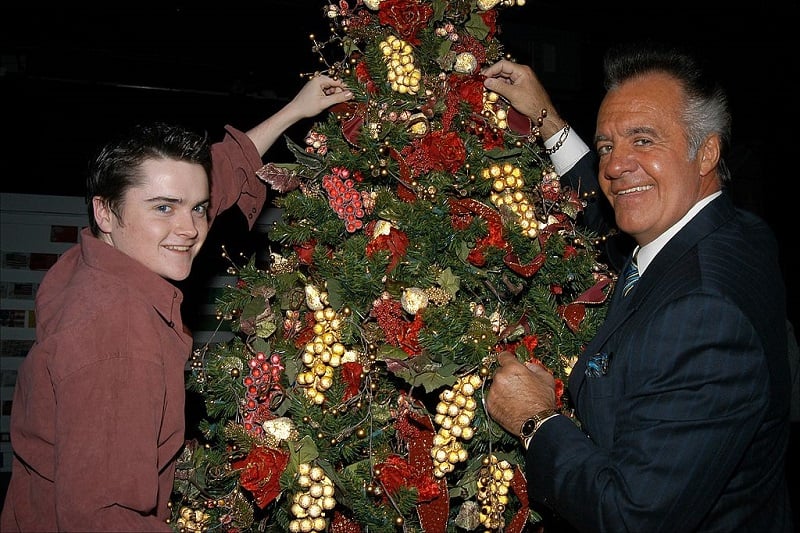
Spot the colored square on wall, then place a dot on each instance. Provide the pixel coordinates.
(16, 260)
(63, 233)
(40, 261)
(15, 348)
(13, 318)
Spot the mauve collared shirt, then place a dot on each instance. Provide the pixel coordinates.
(97, 420)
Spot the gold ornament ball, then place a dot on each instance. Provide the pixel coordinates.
(399, 521)
(361, 433)
(234, 373)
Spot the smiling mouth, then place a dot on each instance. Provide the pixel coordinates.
(641, 188)
(178, 248)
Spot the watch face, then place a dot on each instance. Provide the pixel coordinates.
(527, 427)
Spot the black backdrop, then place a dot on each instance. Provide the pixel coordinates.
(70, 76)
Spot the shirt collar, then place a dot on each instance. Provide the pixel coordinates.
(645, 254)
(165, 297)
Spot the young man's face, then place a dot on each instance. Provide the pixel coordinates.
(163, 221)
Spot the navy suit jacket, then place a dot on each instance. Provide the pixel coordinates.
(684, 412)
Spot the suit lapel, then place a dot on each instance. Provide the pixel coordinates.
(706, 221)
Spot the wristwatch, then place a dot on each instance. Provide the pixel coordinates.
(531, 425)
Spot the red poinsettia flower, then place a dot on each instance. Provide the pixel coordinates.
(407, 17)
(261, 472)
(397, 330)
(530, 342)
(364, 78)
(491, 139)
(396, 473)
(396, 243)
(467, 89)
(351, 375)
(490, 19)
(406, 194)
(570, 251)
(306, 331)
(439, 150)
(305, 251)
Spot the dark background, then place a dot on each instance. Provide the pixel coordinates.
(72, 76)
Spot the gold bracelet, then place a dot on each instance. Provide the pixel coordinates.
(560, 141)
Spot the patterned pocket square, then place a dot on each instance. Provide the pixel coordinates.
(597, 365)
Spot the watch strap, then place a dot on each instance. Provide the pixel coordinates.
(532, 425)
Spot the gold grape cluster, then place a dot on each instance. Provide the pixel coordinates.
(494, 481)
(403, 76)
(507, 182)
(454, 414)
(193, 520)
(309, 505)
(321, 355)
(494, 112)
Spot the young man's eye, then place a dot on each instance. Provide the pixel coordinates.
(164, 208)
(201, 209)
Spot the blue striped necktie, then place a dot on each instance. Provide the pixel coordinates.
(631, 276)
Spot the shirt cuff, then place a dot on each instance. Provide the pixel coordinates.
(571, 151)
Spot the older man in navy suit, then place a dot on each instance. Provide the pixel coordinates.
(682, 398)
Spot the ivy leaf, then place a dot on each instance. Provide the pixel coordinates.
(303, 451)
(449, 282)
(436, 378)
(335, 296)
(310, 160)
(253, 309)
(476, 27)
(280, 177)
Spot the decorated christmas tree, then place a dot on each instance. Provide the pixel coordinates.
(422, 231)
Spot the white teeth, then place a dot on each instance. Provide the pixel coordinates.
(635, 189)
(179, 248)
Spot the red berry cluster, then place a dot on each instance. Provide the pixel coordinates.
(344, 198)
(262, 385)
